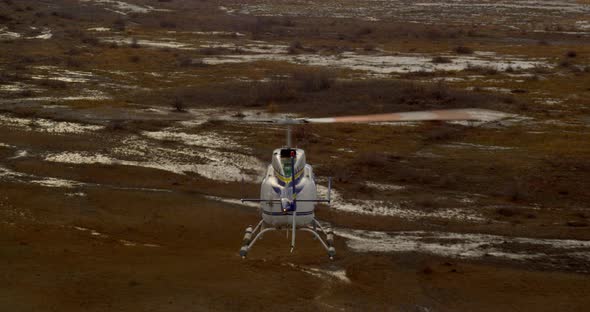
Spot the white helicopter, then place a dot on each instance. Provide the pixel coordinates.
(288, 194)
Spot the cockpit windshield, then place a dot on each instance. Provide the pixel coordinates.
(286, 155)
(286, 162)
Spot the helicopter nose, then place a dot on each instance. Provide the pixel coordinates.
(285, 204)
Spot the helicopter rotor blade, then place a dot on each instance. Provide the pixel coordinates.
(469, 114)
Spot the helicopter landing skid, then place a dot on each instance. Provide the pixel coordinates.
(315, 229)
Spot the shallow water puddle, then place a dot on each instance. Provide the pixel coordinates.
(468, 246)
(384, 187)
(46, 125)
(232, 201)
(60, 74)
(394, 209)
(429, 12)
(204, 154)
(5, 34)
(161, 43)
(385, 64)
(251, 47)
(123, 8)
(43, 34)
(18, 87)
(123, 242)
(209, 139)
(338, 275)
(478, 146)
(10, 175)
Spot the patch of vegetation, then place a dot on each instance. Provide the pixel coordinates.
(314, 80)
(168, 24)
(463, 50)
(178, 105)
(571, 54)
(135, 43)
(483, 70)
(295, 47)
(441, 60)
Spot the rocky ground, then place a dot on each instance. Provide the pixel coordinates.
(126, 140)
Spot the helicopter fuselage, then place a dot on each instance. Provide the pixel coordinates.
(280, 198)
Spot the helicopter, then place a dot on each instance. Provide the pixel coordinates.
(288, 193)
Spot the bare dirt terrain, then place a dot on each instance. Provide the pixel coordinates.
(125, 136)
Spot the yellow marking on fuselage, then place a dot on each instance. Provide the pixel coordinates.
(288, 179)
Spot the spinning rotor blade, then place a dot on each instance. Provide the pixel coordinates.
(474, 114)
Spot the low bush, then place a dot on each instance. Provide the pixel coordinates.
(483, 70)
(314, 80)
(178, 105)
(135, 43)
(441, 60)
(167, 24)
(463, 50)
(295, 47)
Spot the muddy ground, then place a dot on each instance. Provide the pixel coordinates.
(127, 138)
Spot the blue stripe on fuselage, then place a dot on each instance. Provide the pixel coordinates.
(280, 213)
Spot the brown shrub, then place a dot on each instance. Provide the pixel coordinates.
(364, 31)
(314, 80)
(178, 105)
(516, 191)
(507, 212)
(565, 63)
(463, 50)
(295, 47)
(278, 89)
(90, 40)
(426, 202)
(72, 62)
(443, 132)
(135, 43)
(119, 25)
(441, 60)
(53, 84)
(190, 62)
(371, 160)
(369, 47)
(215, 51)
(482, 70)
(116, 125)
(167, 24)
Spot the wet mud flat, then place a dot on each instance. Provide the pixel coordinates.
(127, 139)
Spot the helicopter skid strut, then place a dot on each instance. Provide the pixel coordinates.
(315, 229)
